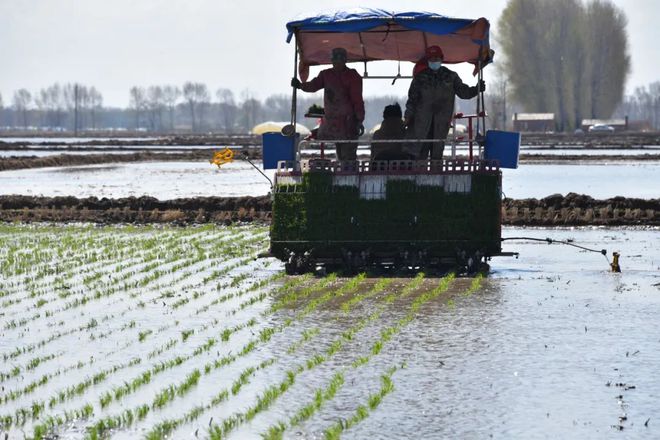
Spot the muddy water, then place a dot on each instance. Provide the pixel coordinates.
(531, 355)
(599, 180)
(167, 180)
(539, 350)
(164, 180)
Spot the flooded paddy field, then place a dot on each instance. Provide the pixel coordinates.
(169, 180)
(147, 332)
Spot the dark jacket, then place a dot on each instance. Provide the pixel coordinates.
(431, 101)
(390, 128)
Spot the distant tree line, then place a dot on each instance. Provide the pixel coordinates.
(643, 106)
(192, 108)
(56, 106)
(565, 57)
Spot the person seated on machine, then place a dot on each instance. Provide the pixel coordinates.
(391, 128)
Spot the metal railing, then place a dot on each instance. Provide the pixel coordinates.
(453, 142)
(388, 167)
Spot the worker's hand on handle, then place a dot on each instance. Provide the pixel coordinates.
(295, 83)
(360, 129)
(481, 86)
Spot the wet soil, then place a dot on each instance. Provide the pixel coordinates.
(138, 210)
(621, 140)
(555, 210)
(580, 209)
(17, 163)
(209, 140)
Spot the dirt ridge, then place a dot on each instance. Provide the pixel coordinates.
(555, 210)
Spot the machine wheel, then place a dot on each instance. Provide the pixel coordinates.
(290, 268)
(299, 264)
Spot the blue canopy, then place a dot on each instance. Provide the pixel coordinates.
(363, 19)
(376, 34)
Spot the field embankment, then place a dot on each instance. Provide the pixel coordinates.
(556, 210)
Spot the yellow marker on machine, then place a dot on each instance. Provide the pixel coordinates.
(222, 157)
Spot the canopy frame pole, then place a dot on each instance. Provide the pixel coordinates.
(453, 133)
(483, 99)
(483, 106)
(294, 95)
(364, 55)
(478, 100)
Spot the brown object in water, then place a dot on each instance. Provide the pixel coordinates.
(615, 263)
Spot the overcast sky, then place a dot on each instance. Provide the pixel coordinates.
(240, 45)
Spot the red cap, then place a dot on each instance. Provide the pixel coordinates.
(434, 52)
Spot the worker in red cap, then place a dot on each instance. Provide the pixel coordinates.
(342, 101)
(430, 105)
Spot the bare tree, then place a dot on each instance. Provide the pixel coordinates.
(197, 97)
(53, 100)
(137, 103)
(95, 104)
(42, 108)
(250, 110)
(171, 95)
(155, 106)
(277, 108)
(22, 100)
(227, 109)
(496, 102)
(74, 99)
(643, 105)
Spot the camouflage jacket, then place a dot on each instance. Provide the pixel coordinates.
(431, 101)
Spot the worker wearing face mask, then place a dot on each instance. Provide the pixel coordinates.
(430, 105)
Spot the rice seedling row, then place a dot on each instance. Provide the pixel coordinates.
(124, 288)
(165, 427)
(274, 392)
(141, 337)
(40, 344)
(109, 248)
(263, 337)
(103, 270)
(321, 396)
(175, 326)
(362, 412)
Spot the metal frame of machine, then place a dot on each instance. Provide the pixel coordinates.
(389, 213)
